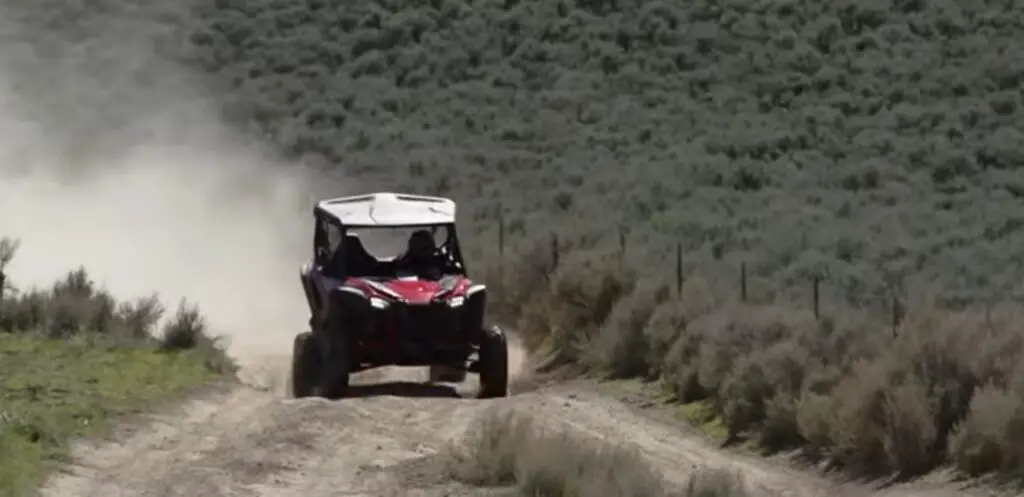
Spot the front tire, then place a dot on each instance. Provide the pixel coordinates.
(305, 365)
(493, 363)
(337, 367)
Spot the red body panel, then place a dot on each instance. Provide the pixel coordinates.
(410, 291)
(413, 291)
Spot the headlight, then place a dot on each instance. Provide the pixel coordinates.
(456, 301)
(378, 303)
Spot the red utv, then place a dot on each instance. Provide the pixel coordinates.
(382, 291)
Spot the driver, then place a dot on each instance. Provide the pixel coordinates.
(421, 255)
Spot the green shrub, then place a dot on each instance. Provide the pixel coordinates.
(75, 308)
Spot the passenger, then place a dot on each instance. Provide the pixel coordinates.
(421, 256)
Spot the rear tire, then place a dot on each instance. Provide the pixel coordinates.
(493, 363)
(305, 365)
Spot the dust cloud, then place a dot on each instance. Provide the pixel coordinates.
(116, 160)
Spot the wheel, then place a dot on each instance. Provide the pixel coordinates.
(493, 363)
(446, 374)
(337, 365)
(305, 365)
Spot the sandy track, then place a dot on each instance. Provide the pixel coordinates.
(253, 441)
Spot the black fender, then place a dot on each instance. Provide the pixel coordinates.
(309, 289)
(349, 309)
(474, 311)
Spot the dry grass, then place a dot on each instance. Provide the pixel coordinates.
(506, 448)
(946, 389)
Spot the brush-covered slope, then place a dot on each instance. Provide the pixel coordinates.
(863, 140)
(857, 139)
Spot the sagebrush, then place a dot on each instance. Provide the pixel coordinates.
(508, 448)
(75, 308)
(875, 143)
(944, 388)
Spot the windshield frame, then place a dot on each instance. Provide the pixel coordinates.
(395, 238)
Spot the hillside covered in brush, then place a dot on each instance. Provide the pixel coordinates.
(868, 142)
(862, 141)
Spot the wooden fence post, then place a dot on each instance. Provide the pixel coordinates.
(501, 236)
(815, 282)
(743, 281)
(679, 269)
(896, 311)
(554, 251)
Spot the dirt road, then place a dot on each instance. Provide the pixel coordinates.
(253, 441)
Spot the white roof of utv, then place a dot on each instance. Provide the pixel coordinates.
(389, 209)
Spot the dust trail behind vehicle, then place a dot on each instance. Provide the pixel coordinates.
(128, 171)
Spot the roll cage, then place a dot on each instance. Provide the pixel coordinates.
(341, 261)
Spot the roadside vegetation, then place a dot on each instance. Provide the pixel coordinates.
(510, 449)
(873, 145)
(945, 390)
(73, 358)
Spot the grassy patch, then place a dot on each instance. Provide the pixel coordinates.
(658, 397)
(73, 359)
(53, 391)
(702, 415)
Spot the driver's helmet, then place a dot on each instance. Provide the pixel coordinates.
(421, 244)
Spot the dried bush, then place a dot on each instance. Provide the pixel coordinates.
(758, 396)
(581, 296)
(991, 437)
(74, 307)
(620, 347)
(507, 448)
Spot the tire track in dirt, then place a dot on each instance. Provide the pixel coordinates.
(252, 440)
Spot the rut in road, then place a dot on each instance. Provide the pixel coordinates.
(254, 441)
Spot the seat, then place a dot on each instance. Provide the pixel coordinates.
(358, 261)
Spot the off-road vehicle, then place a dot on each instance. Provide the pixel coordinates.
(383, 292)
